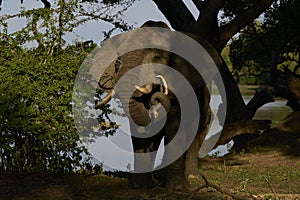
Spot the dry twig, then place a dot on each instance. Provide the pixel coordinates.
(272, 188)
(208, 184)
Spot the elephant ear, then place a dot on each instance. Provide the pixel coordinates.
(108, 79)
(104, 63)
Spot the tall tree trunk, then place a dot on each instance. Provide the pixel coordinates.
(207, 27)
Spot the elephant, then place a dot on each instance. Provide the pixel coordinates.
(155, 103)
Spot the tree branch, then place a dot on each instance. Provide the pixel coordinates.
(35, 31)
(260, 98)
(252, 127)
(46, 3)
(207, 22)
(220, 189)
(176, 12)
(243, 19)
(200, 4)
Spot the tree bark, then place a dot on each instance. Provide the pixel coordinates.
(260, 98)
(231, 130)
(206, 25)
(179, 16)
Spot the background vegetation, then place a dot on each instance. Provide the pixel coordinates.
(37, 131)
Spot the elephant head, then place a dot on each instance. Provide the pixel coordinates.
(141, 90)
(141, 77)
(145, 101)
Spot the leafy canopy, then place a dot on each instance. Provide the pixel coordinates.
(272, 41)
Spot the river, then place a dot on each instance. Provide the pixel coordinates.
(274, 111)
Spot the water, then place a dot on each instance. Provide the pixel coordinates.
(115, 152)
(275, 111)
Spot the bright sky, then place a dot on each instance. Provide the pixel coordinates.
(139, 13)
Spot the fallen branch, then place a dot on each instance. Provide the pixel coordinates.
(219, 189)
(272, 188)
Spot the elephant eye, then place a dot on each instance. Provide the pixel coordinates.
(156, 58)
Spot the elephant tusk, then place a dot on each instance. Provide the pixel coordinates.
(164, 83)
(105, 100)
(146, 89)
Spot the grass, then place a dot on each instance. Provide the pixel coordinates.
(253, 173)
(257, 172)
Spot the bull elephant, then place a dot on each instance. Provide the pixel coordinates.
(146, 103)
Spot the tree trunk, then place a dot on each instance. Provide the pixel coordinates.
(207, 27)
(191, 161)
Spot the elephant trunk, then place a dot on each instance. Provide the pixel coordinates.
(128, 88)
(161, 98)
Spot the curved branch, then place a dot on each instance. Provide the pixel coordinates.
(176, 12)
(260, 98)
(207, 22)
(46, 3)
(243, 19)
(231, 130)
(200, 5)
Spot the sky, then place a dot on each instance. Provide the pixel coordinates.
(136, 15)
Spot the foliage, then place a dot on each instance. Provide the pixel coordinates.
(249, 58)
(65, 16)
(37, 131)
(232, 8)
(275, 40)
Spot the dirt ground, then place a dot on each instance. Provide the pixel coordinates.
(260, 174)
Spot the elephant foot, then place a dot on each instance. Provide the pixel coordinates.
(176, 181)
(141, 181)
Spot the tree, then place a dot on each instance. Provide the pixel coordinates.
(37, 131)
(272, 46)
(217, 23)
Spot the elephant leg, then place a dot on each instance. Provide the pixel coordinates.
(156, 140)
(173, 176)
(144, 158)
(142, 162)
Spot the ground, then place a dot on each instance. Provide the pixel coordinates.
(263, 173)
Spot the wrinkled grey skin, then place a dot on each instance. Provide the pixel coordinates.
(140, 104)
